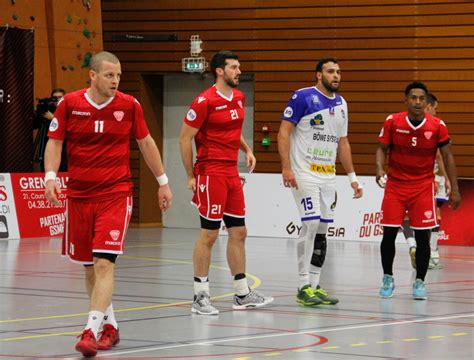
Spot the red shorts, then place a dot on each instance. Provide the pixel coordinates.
(417, 201)
(95, 226)
(219, 195)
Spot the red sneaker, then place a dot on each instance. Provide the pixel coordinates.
(88, 344)
(109, 337)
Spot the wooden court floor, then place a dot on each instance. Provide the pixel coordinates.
(43, 305)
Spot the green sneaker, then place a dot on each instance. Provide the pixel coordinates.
(323, 295)
(306, 296)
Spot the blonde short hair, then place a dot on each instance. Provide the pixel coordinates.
(99, 58)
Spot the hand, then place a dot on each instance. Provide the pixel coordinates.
(358, 191)
(381, 180)
(289, 179)
(455, 199)
(165, 197)
(48, 115)
(51, 189)
(251, 161)
(192, 184)
(447, 186)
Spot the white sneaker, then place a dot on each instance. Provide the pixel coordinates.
(252, 300)
(434, 260)
(202, 305)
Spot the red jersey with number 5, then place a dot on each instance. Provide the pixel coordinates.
(219, 120)
(412, 148)
(98, 142)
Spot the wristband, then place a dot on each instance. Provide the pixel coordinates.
(352, 177)
(162, 179)
(50, 175)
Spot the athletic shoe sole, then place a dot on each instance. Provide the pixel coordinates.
(252, 305)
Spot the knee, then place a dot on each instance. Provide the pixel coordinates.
(103, 267)
(208, 238)
(238, 234)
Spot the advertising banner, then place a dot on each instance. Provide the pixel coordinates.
(271, 211)
(8, 218)
(36, 216)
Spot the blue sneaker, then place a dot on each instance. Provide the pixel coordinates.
(419, 291)
(386, 291)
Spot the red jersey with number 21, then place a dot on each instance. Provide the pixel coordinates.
(219, 120)
(412, 149)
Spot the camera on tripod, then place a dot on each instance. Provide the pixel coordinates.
(46, 104)
(43, 115)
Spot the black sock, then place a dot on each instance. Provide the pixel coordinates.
(423, 250)
(387, 248)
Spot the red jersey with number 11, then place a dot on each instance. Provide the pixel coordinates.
(98, 142)
(412, 148)
(219, 120)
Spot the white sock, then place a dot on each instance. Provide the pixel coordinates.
(434, 240)
(202, 285)
(94, 321)
(304, 250)
(411, 242)
(241, 287)
(314, 276)
(109, 317)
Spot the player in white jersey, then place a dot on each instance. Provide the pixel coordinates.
(312, 133)
(443, 188)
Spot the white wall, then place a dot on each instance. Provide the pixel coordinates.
(179, 91)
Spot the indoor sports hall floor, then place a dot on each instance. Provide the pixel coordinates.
(43, 304)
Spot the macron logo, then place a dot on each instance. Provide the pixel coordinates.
(201, 99)
(81, 113)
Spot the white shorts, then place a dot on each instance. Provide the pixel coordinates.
(441, 195)
(315, 200)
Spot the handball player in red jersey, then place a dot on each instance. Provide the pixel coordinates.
(411, 139)
(98, 123)
(214, 121)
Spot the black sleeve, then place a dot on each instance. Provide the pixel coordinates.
(444, 143)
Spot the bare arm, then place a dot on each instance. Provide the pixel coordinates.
(380, 156)
(185, 144)
(152, 157)
(249, 156)
(448, 158)
(345, 156)
(284, 142)
(52, 160)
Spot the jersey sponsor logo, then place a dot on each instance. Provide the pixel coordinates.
(54, 125)
(315, 99)
(201, 99)
(118, 115)
(403, 131)
(428, 134)
(221, 107)
(323, 169)
(191, 115)
(428, 214)
(240, 104)
(202, 187)
(288, 112)
(114, 234)
(81, 113)
(343, 114)
(294, 96)
(317, 120)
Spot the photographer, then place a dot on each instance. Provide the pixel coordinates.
(43, 115)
